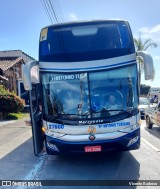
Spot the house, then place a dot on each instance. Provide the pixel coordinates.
(11, 64)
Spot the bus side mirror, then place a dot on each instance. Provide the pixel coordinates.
(148, 64)
(30, 74)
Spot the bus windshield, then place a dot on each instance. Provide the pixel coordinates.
(87, 95)
(83, 42)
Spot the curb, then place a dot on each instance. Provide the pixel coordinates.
(3, 123)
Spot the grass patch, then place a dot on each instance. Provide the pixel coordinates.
(15, 116)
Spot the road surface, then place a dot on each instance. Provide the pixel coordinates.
(19, 163)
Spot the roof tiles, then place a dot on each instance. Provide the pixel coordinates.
(8, 62)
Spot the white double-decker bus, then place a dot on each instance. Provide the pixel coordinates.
(88, 88)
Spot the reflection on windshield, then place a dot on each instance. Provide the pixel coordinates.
(67, 94)
(113, 91)
(90, 95)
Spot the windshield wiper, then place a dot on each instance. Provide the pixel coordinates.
(76, 115)
(53, 118)
(121, 110)
(128, 112)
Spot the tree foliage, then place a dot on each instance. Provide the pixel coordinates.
(10, 102)
(143, 45)
(144, 89)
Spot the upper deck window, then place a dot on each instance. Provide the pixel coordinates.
(84, 42)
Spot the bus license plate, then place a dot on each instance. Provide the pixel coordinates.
(93, 149)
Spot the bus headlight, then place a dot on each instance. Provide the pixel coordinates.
(129, 129)
(54, 134)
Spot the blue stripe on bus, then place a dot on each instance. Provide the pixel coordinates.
(89, 68)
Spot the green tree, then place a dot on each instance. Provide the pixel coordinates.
(144, 89)
(143, 45)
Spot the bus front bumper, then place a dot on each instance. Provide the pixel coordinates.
(130, 141)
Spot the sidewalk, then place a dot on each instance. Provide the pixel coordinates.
(19, 123)
(2, 123)
(9, 122)
(13, 134)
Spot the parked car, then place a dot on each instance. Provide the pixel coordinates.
(152, 116)
(143, 104)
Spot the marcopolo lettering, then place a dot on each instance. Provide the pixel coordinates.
(91, 121)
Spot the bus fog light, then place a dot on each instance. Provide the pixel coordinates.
(52, 146)
(133, 140)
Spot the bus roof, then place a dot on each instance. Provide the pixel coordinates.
(79, 23)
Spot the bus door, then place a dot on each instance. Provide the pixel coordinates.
(36, 118)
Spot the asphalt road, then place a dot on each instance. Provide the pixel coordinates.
(18, 161)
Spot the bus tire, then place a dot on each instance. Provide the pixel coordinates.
(148, 123)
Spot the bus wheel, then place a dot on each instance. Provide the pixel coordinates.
(148, 123)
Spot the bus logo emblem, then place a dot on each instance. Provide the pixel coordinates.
(91, 130)
(92, 137)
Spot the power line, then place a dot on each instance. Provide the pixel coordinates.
(49, 9)
(53, 10)
(56, 4)
(52, 14)
(46, 10)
